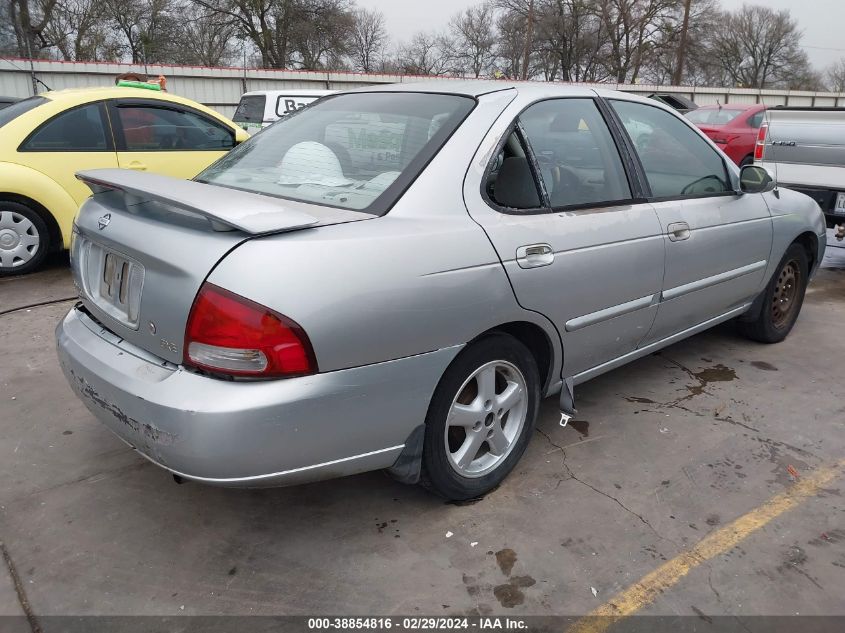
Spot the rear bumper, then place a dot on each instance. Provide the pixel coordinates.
(248, 434)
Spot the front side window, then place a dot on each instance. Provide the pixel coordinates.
(154, 128)
(354, 151)
(578, 159)
(77, 130)
(676, 160)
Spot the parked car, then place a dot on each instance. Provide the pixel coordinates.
(297, 313)
(805, 147)
(732, 127)
(677, 102)
(5, 102)
(45, 139)
(260, 108)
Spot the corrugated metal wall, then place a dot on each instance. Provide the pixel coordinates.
(221, 88)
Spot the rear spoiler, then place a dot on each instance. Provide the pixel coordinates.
(225, 208)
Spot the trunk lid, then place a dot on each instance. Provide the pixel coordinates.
(143, 245)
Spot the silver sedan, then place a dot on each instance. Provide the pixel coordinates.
(393, 278)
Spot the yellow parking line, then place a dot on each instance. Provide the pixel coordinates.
(670, 573)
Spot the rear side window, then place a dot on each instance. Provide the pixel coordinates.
(756, 120)
(677, 161)
(577, 156)
(250, 109)
(77, 130)
(14, 110)
(354, 151)
(154, 129)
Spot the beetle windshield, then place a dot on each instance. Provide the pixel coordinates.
(356, 151)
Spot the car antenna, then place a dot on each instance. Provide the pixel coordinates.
(718, 104)
(31, 73)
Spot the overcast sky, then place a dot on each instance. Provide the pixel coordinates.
(822, 21)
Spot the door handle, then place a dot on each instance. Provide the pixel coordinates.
(678, 231)
(137, 166)
(534, 255)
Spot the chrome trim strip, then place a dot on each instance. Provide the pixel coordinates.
(236, 480)
(653, 347)
(699, 284)
(598, 316)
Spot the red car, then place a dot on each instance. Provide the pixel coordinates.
(732, 127)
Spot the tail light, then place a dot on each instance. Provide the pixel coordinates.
(232, 335)
(761, 141)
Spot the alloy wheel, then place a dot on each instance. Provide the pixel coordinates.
(486, 418)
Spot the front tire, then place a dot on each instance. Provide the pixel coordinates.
(481, 418)
(24, 239)
(782, 299)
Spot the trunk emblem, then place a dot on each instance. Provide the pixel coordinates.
(152, 328)
(103, 222)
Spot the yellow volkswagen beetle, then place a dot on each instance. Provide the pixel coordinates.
(46, 139)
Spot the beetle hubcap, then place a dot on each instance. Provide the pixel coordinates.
(786, 292)
(19, 239)
(486, 418)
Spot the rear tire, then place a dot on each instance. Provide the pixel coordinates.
(481, 418)
(782, 299)
(748, 160)
(24, 239)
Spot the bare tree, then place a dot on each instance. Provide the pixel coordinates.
(757, 47)
(369, 38)
(29, 20)
(206, 38)
(320, 33)
(426, 54)
(80, 31)
(835, 76)
(148, 28)
(521, 11)
(632, 29)
(570, 33)
(510, 49)
(265, 23)
(473, 38)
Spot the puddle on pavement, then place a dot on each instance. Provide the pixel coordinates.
(716, 373)
(506, 558)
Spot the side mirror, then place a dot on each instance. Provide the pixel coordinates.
(755, 179)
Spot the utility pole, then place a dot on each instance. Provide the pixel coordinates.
(529, 36)
(678, 75)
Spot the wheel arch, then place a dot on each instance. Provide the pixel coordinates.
(52, 226)
(28, 186)
(539, 343)
(810, 242)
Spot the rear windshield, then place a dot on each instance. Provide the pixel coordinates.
(714, 116)
(354, 151)
(250, 109)
(18, 108)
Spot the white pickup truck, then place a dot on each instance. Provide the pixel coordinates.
(804, 148)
